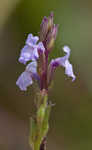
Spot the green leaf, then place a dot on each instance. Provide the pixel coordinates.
(33, 132)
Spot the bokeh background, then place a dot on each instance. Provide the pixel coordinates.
(71, 118)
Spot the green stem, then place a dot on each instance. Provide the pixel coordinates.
(40, 126)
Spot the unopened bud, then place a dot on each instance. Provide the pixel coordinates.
(46, 25)
(51, 37)
(50, 21)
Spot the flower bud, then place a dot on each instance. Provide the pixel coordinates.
(46, 25)
(50, 21)
(51, 37)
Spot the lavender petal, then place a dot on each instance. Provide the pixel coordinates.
(32, 40)
(40, 47)
(32, 67)
(64, 62)
(28, 53)
(69, 70)
(24, 81)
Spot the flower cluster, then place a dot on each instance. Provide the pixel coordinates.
(37, 50)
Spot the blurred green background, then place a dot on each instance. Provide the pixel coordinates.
(71, 118)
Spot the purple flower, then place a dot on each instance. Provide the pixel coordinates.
(30, 50)
(64, 62)
(26, 78)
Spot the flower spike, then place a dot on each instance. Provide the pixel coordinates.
(36, 53)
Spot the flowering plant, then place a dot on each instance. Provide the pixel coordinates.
(36, 51)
